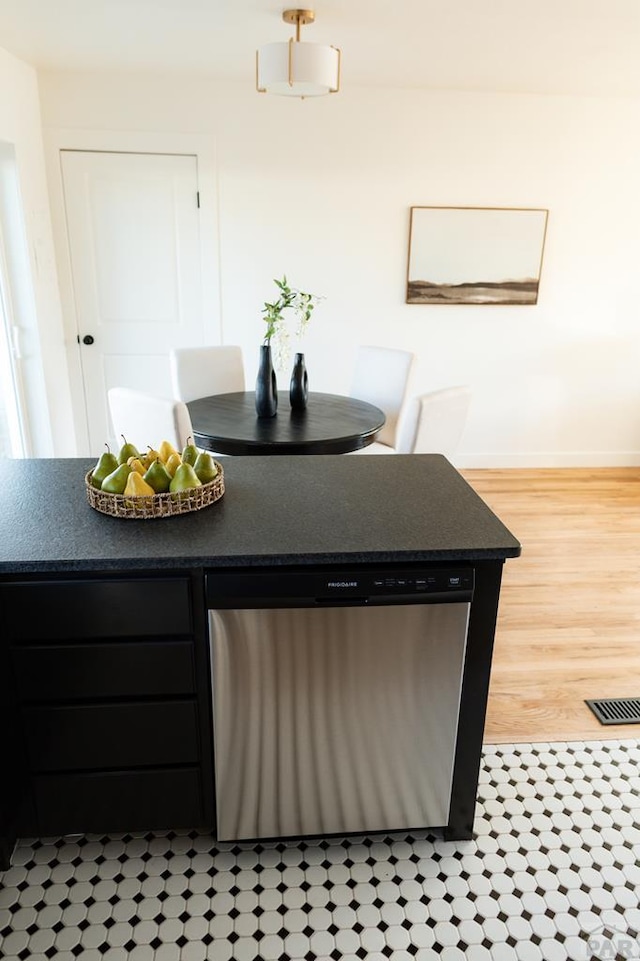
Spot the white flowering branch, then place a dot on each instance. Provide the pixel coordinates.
(290, 299)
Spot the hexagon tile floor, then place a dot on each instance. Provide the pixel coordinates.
(551, 874)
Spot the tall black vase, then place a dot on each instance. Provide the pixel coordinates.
(266, 386)
(299, 385)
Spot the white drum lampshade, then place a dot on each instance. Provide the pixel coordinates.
(297, 69)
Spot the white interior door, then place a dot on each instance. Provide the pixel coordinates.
(134, 243)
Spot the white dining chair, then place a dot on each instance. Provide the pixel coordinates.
(146, 419)
(381, 377)
(203, 371)
(433, 423)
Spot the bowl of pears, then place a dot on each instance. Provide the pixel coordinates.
(156, 483)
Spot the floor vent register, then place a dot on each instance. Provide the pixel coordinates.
(616, 710)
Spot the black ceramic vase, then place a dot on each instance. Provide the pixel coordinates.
(299, 385)
(266, 386)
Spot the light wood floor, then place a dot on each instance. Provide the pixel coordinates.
(569, 618)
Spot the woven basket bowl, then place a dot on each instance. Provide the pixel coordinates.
(158, 505)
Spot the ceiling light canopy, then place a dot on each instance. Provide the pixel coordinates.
(296, 69)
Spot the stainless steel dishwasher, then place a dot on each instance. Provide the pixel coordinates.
(335, 698)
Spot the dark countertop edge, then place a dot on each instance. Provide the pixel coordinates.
(123, 565)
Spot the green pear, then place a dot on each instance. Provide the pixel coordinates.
(189, 452)
(107, 463)
(205, 467)
(126, 451)
(116, 482)
(184, 479)
(158, 477)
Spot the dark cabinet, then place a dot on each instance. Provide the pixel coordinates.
(125, 800)
(107, 687)
(87, 609)
(79, 737)
(101, 670)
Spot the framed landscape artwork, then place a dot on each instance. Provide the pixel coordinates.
(475, 255)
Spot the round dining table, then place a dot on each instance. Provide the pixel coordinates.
(330, 424)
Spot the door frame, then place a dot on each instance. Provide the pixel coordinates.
(202, 146)
(18, 419)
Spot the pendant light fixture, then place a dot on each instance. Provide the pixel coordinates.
(296, 69)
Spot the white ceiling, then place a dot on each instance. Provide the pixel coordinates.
(587, 47)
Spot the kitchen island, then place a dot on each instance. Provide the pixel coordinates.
(105, 667)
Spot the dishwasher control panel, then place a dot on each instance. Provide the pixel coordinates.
(425, 583)
(290, 588)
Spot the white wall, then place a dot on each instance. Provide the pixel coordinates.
(28, 240)
(321, 190)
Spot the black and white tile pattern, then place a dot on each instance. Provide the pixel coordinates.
(552, 874)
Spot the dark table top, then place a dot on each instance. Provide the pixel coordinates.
(275, 511)
(330, 424)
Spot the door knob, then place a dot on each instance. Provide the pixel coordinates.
(87, 339)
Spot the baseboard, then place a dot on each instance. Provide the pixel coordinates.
(550, 459)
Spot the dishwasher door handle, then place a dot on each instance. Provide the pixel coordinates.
(341, 601)
(458, 596)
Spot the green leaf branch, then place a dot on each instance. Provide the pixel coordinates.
(292, 301)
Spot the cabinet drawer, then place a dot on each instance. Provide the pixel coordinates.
(117, 801)
(132, 668)
(127, 607)
(111, 735)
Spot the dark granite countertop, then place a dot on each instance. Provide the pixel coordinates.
(275, 511)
